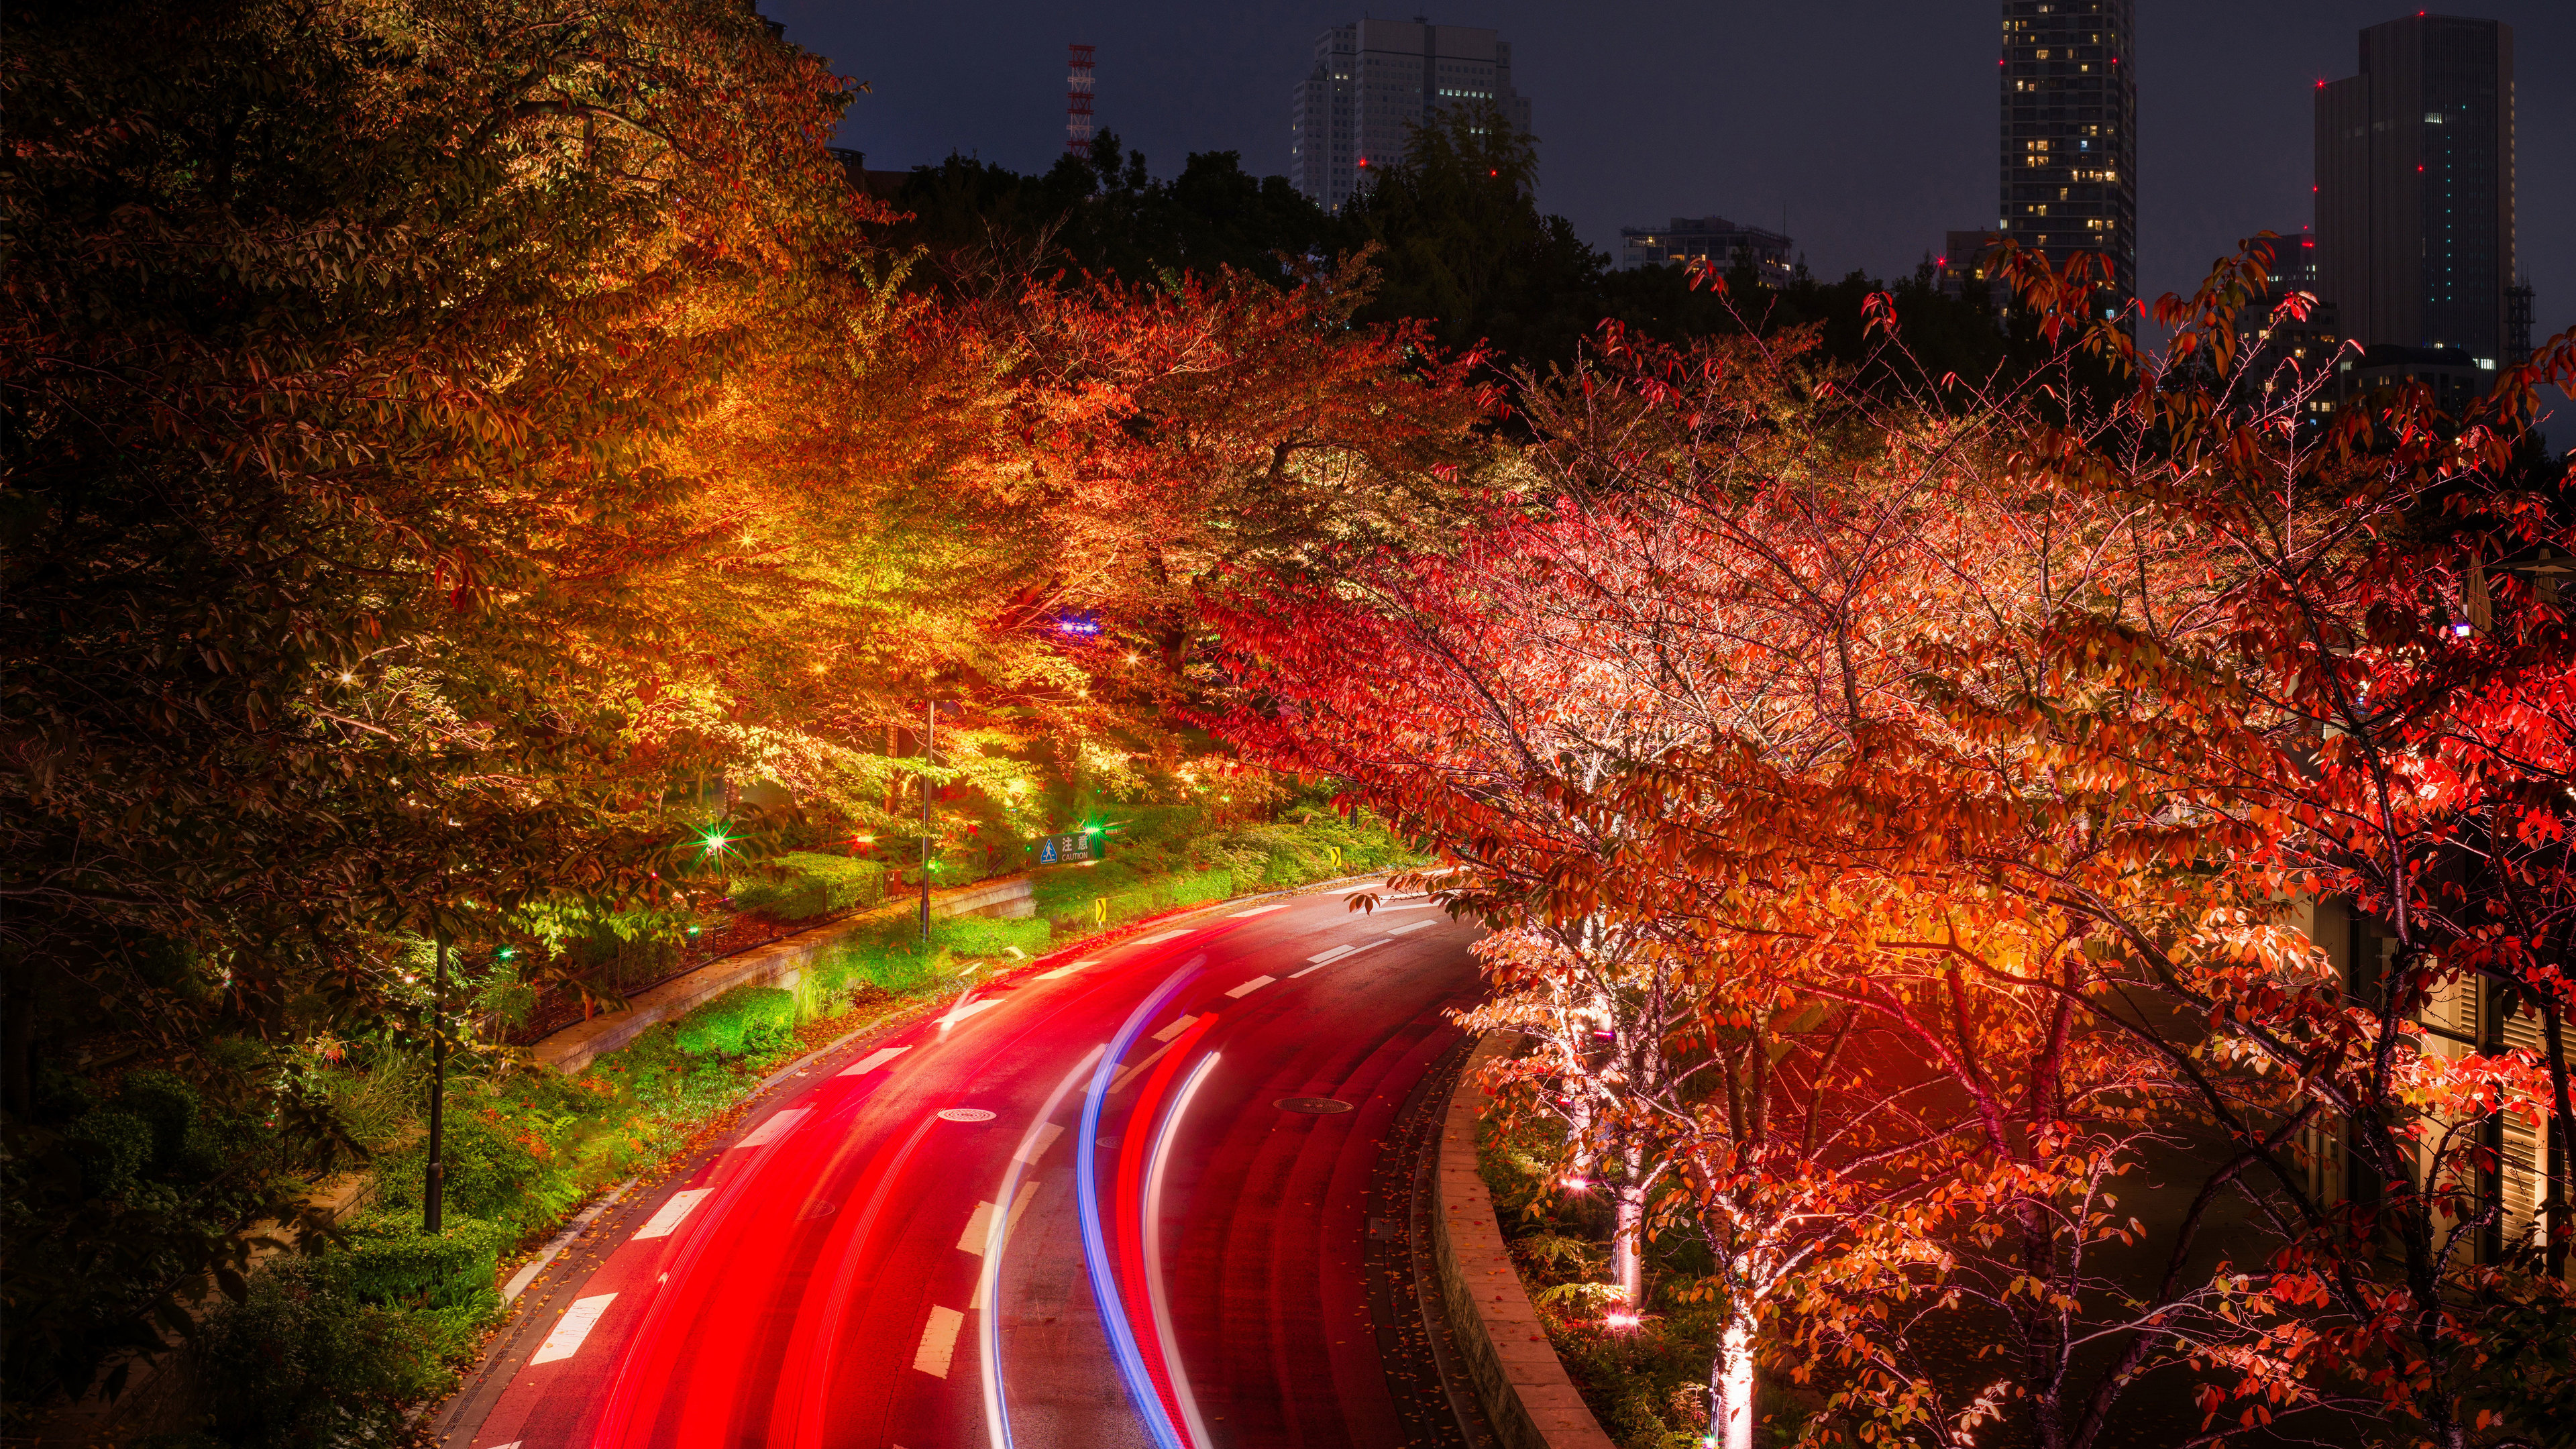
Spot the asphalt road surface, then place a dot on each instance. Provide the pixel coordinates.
(898, 1248)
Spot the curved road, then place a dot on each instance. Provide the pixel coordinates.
(898, 1251)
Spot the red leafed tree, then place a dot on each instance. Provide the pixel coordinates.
(1978, 727)
(2370, 676)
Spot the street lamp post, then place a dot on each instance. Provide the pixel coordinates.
(929, 748)
(432, 1190)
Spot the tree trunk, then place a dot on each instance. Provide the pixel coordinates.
(1730, 1385)
(1628, 1201)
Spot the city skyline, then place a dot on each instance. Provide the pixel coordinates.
(1644, 114)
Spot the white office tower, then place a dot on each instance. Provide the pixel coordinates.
(1374, 79)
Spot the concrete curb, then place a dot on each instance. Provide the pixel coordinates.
(1527, 1396)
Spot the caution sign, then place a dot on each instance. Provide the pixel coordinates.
(1066, 849)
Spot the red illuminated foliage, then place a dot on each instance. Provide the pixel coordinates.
(2010, 739)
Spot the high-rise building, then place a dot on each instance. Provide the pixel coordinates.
(2282, 350)
(1375, 79)
(1962, 270)
(2070, 133)
(2415, 203)
(1711, 239)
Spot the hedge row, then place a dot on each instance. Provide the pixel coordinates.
(813, 885)
(414, 1269)
(746, 1021)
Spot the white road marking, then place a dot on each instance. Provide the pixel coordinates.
(965, 1009)
(1036, 1145)
(938, 1341)
(867, 1064)
(662, 1222)
(1065, 970)
(1327, 958)
(1119, 1082)
(1152, 940)
(513, 1444)
(577, 1322)
(1179, 1025)
(1415, 906)
(1260, 910)
(778, 1125)
(979, 1223)
(1416, 926)
(1251, 986)
(1375, 885)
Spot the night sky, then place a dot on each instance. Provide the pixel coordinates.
(1871, 123)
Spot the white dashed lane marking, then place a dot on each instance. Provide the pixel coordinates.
(938, 1341)
(1156, 940)
(1259, 910)
(1119, 1082)
(1251, 986)
(778, 1125)
(577, 1322)
(965, 1009)
(1035, 1148)
(1065, 970)
(979, 1224)
(663, 1221)
(1416, 926)
(871, 1062)
(1323, 959)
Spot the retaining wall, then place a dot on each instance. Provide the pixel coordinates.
(780, 963)
(1527, 1397)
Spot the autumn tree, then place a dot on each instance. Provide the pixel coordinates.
(343, 347)
(2360, 682)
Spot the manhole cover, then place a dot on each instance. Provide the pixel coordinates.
(1317, 1106)
(965, 1114)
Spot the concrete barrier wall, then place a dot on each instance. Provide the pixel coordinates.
(1526, 1394)
(780, 963)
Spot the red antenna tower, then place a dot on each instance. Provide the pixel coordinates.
(1077, 100)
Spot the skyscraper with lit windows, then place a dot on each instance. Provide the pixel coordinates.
(2070, 133)
(2415, 243)
(1375, 79)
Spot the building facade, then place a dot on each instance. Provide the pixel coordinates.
(1711, 239)
(2284, 351)
(1374, 80)
(1961, 270)
(2070, 134)
(2415, 200)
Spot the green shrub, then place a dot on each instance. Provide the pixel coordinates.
(497, 1164)
(298, 1366)
(814, 885)
(402, 1268)
(746, 1021)
(1191, 887)
(113, 1148)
